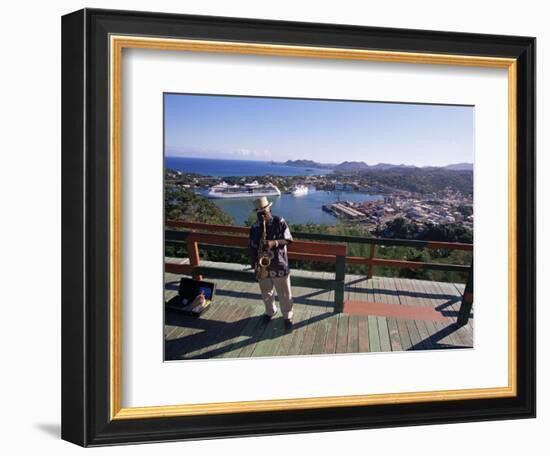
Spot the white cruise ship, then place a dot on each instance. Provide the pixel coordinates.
(299, 190)
(250, 190)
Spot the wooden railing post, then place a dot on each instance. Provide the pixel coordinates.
(193, 253)
(371, 256)
(467, 299)
(340, 279)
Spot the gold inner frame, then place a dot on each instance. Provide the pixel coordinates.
(117, 44)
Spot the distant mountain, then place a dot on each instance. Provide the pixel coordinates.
(304, 163)
(351, 166)
(384, 166)
(355, 166)
(460, 167)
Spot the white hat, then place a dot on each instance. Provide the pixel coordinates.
(261, 204)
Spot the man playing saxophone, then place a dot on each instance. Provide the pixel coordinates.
(268, 240)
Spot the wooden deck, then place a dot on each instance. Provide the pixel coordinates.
(380, 315)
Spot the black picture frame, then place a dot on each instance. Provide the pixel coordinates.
(85, 228)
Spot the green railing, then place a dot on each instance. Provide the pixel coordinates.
(312, 247)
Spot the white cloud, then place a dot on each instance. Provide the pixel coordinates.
(238, 154)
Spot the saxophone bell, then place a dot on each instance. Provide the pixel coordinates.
(265, 261)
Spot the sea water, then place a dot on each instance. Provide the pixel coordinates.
(295, 209)
(226, 168)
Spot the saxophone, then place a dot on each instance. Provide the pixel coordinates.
(264, 260)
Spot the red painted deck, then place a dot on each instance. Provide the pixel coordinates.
(381, 309)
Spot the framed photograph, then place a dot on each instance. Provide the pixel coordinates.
(270, 227)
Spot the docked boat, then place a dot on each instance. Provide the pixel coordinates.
(299, 190)
(248, 190)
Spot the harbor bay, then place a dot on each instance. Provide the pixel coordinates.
(306, 208)
(303, 209)
(370, 197)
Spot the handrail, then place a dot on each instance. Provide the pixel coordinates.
(316, 254)
(305, 251)
(295, 247)
(328, 237)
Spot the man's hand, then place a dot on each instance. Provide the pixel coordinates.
(272, 244)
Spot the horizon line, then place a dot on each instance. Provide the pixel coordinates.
(318, 163)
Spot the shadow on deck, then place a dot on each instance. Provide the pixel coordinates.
(380, 314)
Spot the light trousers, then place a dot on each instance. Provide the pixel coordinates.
(281, 285)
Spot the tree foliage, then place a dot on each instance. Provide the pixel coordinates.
(182, 204)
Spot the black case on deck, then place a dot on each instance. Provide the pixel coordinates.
(188, 290)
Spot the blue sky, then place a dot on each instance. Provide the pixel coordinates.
(325, 131)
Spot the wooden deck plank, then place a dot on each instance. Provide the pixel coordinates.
(332, 332)
(419, 330)
(233, 330)
(192, 334)
(256, 334)
(424, 328)
(282, 338)
(382, 322)
(246, 333)
(353, 334)
(299, 332)
(319, 343)
(286, 339)
(254, 329)
(374, 337)
(444, 336)
(330, 297)
(360, 284)
(434, 328)
(353, 325)
(331, 323)
(311, 324)
(175, 347)
(216, 334)
(403, 330)
(393, 327)
(413, 296)
(169, 330)
(271, 338)
(464, 333)
(439, 301)
(363, 335)
(395, 338)
(455, 288)
(372, 321)
(317, 315)
(385, 344)
(213, 334)
(235, 336)
(329, 294)
(460, 287)
(342, 334)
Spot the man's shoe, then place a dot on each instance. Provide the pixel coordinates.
(288, 324)
(266, 318)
